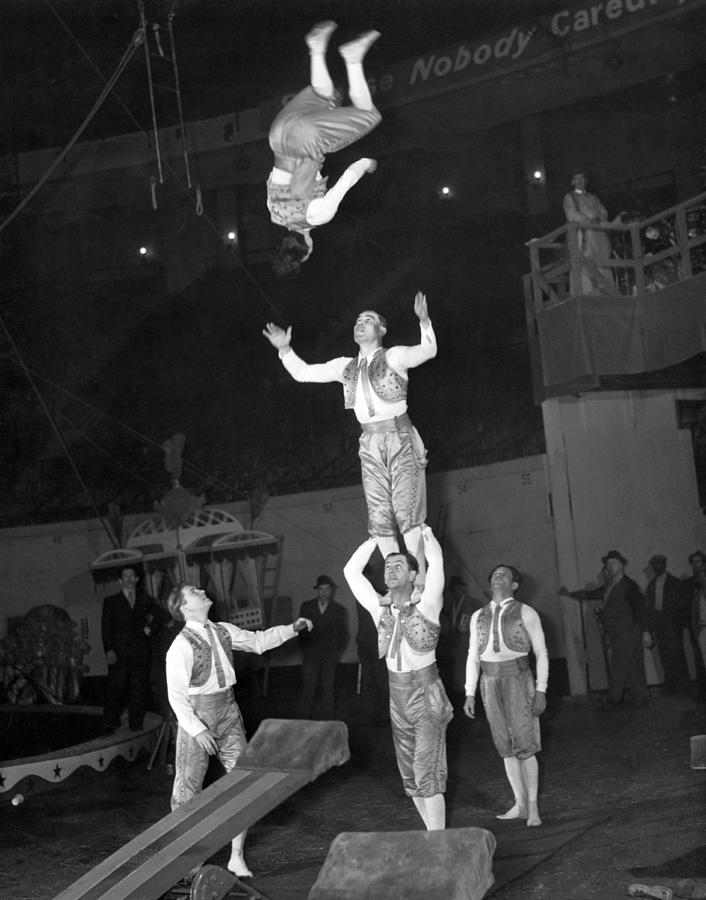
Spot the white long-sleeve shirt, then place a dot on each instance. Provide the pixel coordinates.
(399, 358)
(532, 623)
(180, 658)
(429, 605)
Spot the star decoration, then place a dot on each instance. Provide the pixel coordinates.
(57, 771)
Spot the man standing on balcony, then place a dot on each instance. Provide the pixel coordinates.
(594, 245)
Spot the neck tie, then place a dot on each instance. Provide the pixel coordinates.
(395, 651)
(365, 383)
(216, 658)
(496, 634)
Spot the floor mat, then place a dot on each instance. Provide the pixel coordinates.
(521, 849)
(690, 865)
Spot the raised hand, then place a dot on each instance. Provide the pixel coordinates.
(277, 336)
(420, 307)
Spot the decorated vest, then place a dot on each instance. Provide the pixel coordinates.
(288, 209)
(386, 383)
(203, 655)
(421, 634)
(513, 628)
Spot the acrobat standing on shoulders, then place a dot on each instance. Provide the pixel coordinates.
(312, 125)
(392, 456)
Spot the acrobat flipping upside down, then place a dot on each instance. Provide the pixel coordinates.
(312, 125)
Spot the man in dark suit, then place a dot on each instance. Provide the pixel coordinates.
(129, 623)
(321, 648)
(691, 616)
(455, 620)
(664, 605)
(625, 613)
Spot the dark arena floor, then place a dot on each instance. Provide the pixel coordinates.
(619, 799)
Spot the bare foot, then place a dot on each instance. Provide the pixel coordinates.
(318, 38)
(517, 812)
(238, 866)
(533, 819)
(354, 51)
(372, 165)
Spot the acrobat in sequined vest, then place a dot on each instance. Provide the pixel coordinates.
(386, 383)
(287, 209)
(513, 628)
(203, 656)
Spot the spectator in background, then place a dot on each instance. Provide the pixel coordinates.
(625, 617)
(585, 208)
(321, 649)
(129, 623)
(698, 613)
(691, 590)
(664, 609)
(373, 669)
(158, 675)
(455, 621)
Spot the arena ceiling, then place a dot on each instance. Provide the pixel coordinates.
(231, 54)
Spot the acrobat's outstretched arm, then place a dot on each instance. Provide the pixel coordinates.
(323, 209)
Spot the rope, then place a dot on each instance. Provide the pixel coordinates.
(158, 445)
(182, 130)
(137, 39)
(140, 127)
(150, 85)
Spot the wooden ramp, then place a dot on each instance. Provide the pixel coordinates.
(283, 756)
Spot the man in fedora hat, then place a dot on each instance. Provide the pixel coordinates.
(664, 606)
(626, 623)
(321, 652)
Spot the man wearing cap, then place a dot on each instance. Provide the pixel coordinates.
(664, 606)
(502, 635)
(321, 649)
(626, 622)
(392, 456)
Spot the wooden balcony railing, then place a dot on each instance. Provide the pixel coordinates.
(646, 255)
